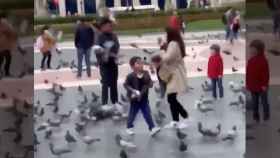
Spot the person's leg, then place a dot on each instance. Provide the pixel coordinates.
(43, 60)
(214, 88)
(146, 111)
(80, 62)
(114, 86)
(87, 60)
(266, 107)
(221, 87)
(49, 60)
(173, 109)
(105, 88)
(227, 32)
(134, 108)
(255, 99)
(181, 110)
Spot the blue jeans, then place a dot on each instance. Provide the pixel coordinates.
(218, 82)
(81, 54)
(146, 111)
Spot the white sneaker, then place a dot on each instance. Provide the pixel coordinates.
(154, 131)
(129, 131)
(172, 124)
(183, 125)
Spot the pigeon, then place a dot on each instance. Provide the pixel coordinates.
(180, 135)
(89, 140)
(123, 154)
(234, 69)
(199, 69)
(231, 135)
(65, 116)
(80, 89)
(94, 96)
(62, 88)
(183, 147)
(69, 138)
(54, 123)
(48, 133)
(206, 87)
(209, 132)
(274, 52)
(206, 100)
(235, 58)
(58, 151)
(227, 52)
(80, 126)
(202, 108)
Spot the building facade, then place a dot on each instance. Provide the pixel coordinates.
(83, 7)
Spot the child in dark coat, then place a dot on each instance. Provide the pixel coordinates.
(257, 79)
(215, 70)
(137, 85)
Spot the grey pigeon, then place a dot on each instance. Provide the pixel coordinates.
(58, 151)
(209, 132)
(69, 138)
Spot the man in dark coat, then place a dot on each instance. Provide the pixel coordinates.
(84, 40)
(108, 60)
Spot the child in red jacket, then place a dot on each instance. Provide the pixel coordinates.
(215, 70)
(257, 79)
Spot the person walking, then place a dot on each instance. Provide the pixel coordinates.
(274, 6)
(173, 72)
(84, 40)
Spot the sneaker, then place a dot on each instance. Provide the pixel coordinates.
(129, 131)
(172, 124)
(183, 125)
(154, 131)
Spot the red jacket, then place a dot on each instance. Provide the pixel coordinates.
(215, 66)
(257, 73)
(175, 23)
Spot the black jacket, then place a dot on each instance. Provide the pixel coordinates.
(84, 37)
(132, 83)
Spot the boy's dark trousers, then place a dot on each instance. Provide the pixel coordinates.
(146, 111)
(7, 57)
(218, 82)
(109, 80)
(256, 97)
(46, 56)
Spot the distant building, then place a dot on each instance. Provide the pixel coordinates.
(82, 7)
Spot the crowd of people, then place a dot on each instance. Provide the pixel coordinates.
(169, 65)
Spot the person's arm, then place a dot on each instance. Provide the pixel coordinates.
(221, 67)
(127, 84)
(265, 76)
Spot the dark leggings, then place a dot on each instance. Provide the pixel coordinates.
(6, 55)
(46, 56)
(176, 108)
